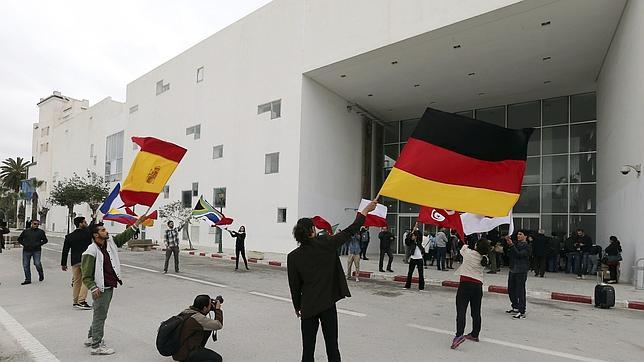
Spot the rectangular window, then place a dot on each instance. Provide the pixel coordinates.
(200, 71)
(275, 107)
(186, 199)
(272, 163)
(195, 189)
(161, 87)
(134, 108)
(219, 197)
(195, 131)
(114, 157)
(166, 191)
(281, 214)
(44, 131)
(218, 151)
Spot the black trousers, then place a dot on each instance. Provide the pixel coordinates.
(363, 250)
(540, 265)
(516, 290)
(204, 355)
(612, 269)
(469, 293)
(243, 254)
(309, 326)
(382, 257)
(168, 252)
(416, 263)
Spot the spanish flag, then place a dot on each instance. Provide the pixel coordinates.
(454, 162)
(150, 170)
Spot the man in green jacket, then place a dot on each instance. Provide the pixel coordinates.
(101, 271)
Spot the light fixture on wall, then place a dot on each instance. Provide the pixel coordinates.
(626, 169)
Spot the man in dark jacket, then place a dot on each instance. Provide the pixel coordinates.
(31, 240)
(3, 230)
(583, 244)
(519, 253)
(77, 241)
(197, 329)
(364, 242)
(316, 280)
(414, 243)
(539, 253)
(386, 238)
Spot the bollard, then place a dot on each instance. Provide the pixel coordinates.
(638, 274)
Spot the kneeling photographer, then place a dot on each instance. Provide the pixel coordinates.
(197, 329)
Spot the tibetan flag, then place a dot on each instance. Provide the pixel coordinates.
(377, 217)
(443, 218)
(112, 199)
(454, 162)
(120, 217)
(150, 170)
(320, 223)
(204, 209)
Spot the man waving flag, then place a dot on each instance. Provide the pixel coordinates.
(150, 170)
(454, 162)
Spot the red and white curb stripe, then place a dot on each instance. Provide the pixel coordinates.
(498, 289)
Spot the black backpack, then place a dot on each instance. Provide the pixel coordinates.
(169, 334)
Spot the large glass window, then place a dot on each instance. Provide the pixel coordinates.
(391, 132)
(583, 137)
(407, 128)
(583, 107)
(534, 144)
(528, 201)
(582, 198)
(583, 168)
(555, 140)
(494, 115)
(555, 169)
(114, 157)
(524, 115)
(554, 198)
(391, 155)
(555, 111)
(532, 175)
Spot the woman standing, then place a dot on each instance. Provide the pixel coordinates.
(317, 282)
(470, 290)
(240, 237)
(613, 257)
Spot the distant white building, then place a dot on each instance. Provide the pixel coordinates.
(300, 108)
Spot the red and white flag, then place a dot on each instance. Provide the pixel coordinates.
(443, 218)
(320, 223)
(377, 217)
(465, 223)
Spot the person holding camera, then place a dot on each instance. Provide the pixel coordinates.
(198, 327)
(317, 282)
(101, 271)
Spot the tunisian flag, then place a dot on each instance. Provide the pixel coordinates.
(320, 223)
(443, 218)
(377, 217)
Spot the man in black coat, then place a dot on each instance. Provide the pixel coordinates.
(31, 240)
(316, 280)
(386, 238)
(77, 241)
(540, 253)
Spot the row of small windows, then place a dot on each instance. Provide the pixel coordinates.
(162, 87)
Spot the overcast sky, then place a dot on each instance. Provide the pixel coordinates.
(91, 50)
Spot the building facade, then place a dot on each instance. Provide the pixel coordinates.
(300, 109)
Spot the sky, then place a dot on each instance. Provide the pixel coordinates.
(91, 50)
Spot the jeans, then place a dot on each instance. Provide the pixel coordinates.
(469, 293)
(101, 306)
(363, 250)
(26, 263)
(440, 257)
(516, 290)
(344, 249)
(309, 327)
(415, 263)
(241, 251)
(582, 263)
(204, 355)
(79, 290)
(553, 263)
(382, 257)
(168, 252)
(571, 261)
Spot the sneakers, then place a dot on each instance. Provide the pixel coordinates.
(83, 306)
(101, 350)
(470, 338)
(357, 280)
(381, 270)
(389, 270)
(512, 311)
(26, 282)
(88, 342)
(519, 316)
(457, 341)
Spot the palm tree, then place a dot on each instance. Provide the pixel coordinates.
(12, 172)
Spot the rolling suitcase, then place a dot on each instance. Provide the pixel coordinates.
(604, 293)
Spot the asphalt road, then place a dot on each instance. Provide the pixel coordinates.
(380, 322)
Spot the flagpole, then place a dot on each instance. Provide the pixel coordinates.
(220, 250)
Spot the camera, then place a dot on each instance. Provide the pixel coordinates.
(219, 299)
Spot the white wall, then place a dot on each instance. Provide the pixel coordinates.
(330, 156)
(620, 199)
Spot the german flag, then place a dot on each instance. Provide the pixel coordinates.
(458, 163)
(150, 170)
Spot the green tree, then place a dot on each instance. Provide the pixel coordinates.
(12, 172)
(69, 193)
(96, 190)
(179, 214)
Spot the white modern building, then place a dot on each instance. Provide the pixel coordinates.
(300, 108)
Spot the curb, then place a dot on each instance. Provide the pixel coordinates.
(497, 289)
